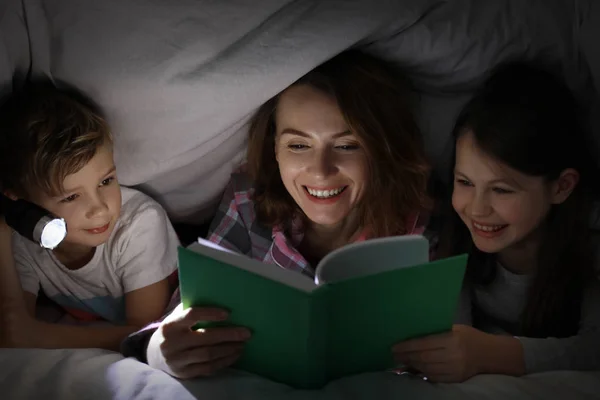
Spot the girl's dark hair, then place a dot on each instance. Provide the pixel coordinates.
(526, 118)
(374, 99)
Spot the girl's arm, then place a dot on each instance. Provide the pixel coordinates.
(462, 353)
(465, 351)
(580, 352)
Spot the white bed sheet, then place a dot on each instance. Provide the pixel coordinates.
(101, 375)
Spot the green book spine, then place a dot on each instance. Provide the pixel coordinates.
(288, 325)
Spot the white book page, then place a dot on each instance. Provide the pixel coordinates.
(270, 271)
(372, 257)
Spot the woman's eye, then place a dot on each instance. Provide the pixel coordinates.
(107, 181)
(347, 147)
(297, 146)
(70, 198)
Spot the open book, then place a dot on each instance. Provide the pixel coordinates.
(366, 297)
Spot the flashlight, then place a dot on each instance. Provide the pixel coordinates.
(33, 222)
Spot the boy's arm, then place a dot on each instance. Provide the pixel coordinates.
(38, 334)
(19, 327)
(142, 306)
(147, 304)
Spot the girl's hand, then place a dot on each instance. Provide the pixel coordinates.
(448, 357)
(183, 353)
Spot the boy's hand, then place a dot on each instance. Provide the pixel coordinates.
(5, 231)
(17, 328)
(183, 353)
(448, 357)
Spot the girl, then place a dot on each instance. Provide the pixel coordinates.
(523, 190)
(334, 159)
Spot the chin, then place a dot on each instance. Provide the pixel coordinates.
(325, 221)
(489, 247)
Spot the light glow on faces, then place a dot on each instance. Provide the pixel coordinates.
(500, 206)
(322, 163)
(91, 202)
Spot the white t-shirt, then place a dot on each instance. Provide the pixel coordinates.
(141, 250)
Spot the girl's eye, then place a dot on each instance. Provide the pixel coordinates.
(463, 182)
(70, 198)
(502, 191)
(107, 181)
(297, 146)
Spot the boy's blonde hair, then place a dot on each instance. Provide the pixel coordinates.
(47, 133)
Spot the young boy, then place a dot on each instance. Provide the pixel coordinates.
(115, 263)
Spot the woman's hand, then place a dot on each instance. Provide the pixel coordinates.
(183, 353)
(448, 357)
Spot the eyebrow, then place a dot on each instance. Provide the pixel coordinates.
(110, 171)
(291, 131)
(510, 182)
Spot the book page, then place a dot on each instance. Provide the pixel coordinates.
(270, 271)
(372, 257)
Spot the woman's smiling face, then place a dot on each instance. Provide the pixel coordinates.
(322, 163)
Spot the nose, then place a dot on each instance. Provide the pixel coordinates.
(480, 205)
(322, 163)
(97, 206)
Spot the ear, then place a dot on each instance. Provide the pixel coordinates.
(564, 185)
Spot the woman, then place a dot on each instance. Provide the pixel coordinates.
(334, 159)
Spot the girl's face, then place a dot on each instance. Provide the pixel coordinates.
(501, 207)
(322, 163)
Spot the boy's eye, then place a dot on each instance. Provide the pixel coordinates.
(500, 190)
(107, 181)
(70, 198)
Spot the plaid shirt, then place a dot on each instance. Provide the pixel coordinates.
(236, 228)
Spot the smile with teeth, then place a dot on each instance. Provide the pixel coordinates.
(325, 194)
(489, 228)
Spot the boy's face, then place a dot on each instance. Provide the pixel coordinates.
(90, 203)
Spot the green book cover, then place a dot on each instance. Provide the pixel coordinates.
(366, 297)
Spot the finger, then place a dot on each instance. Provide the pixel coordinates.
(183, 320)
(205, 354)
(427, 356)
(226, 334)
(443, 378)
(188, 339)
(433, 370)
(207, 369)
(426, 343)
